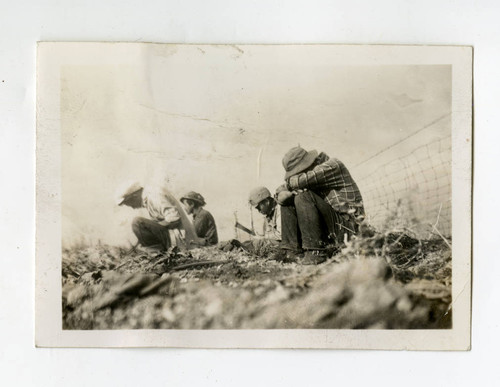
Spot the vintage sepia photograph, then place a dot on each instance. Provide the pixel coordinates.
(308, 196)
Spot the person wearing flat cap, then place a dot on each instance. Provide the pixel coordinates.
(204, 222)
(321, 205)
(168, 222)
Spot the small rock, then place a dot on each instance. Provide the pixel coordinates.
(76, 295)
(214, 308)
(277, 295)
(404, 305)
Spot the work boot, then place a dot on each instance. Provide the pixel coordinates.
(278, 255)
(284, 255)
(231, 245)
(293, 256)
(314, 257)
(150, 250)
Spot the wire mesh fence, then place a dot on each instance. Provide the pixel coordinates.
(411, 191)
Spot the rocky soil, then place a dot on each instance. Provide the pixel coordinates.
(381, 281)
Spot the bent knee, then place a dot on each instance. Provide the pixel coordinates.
(138, 222)
(303, 197)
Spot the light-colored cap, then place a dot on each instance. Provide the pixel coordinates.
(257, 195)
(126, 190)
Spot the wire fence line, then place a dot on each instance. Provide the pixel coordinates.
(410, 191)
(406, 138)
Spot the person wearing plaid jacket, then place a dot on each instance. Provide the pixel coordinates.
(321, 205)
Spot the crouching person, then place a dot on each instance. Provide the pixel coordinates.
(260, 198)
(166, 226)
(266, 240)
(204, 223)
(321, 204)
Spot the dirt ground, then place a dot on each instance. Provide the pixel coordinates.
(381, 281)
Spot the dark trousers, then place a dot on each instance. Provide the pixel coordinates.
(150, 233)
(311, 224)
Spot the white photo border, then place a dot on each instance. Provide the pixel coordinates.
(48, 310)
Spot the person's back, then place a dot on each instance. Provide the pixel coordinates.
(332, 181)
(159, 207)
(204, 222)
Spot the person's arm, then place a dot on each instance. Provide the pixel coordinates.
(283, 196)
(260, 229)
(210, 231)
(171, 217)
(320, 176)
(161, 208)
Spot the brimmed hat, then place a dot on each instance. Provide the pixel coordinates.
(126, 190)
(194, 196)
(257, 195)
(297, 160)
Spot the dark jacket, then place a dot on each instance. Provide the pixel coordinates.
(204, 224)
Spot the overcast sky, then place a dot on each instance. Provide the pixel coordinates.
(218, 120)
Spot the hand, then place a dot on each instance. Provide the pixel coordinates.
(199, 242)
(284, 197)
(229, 245)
